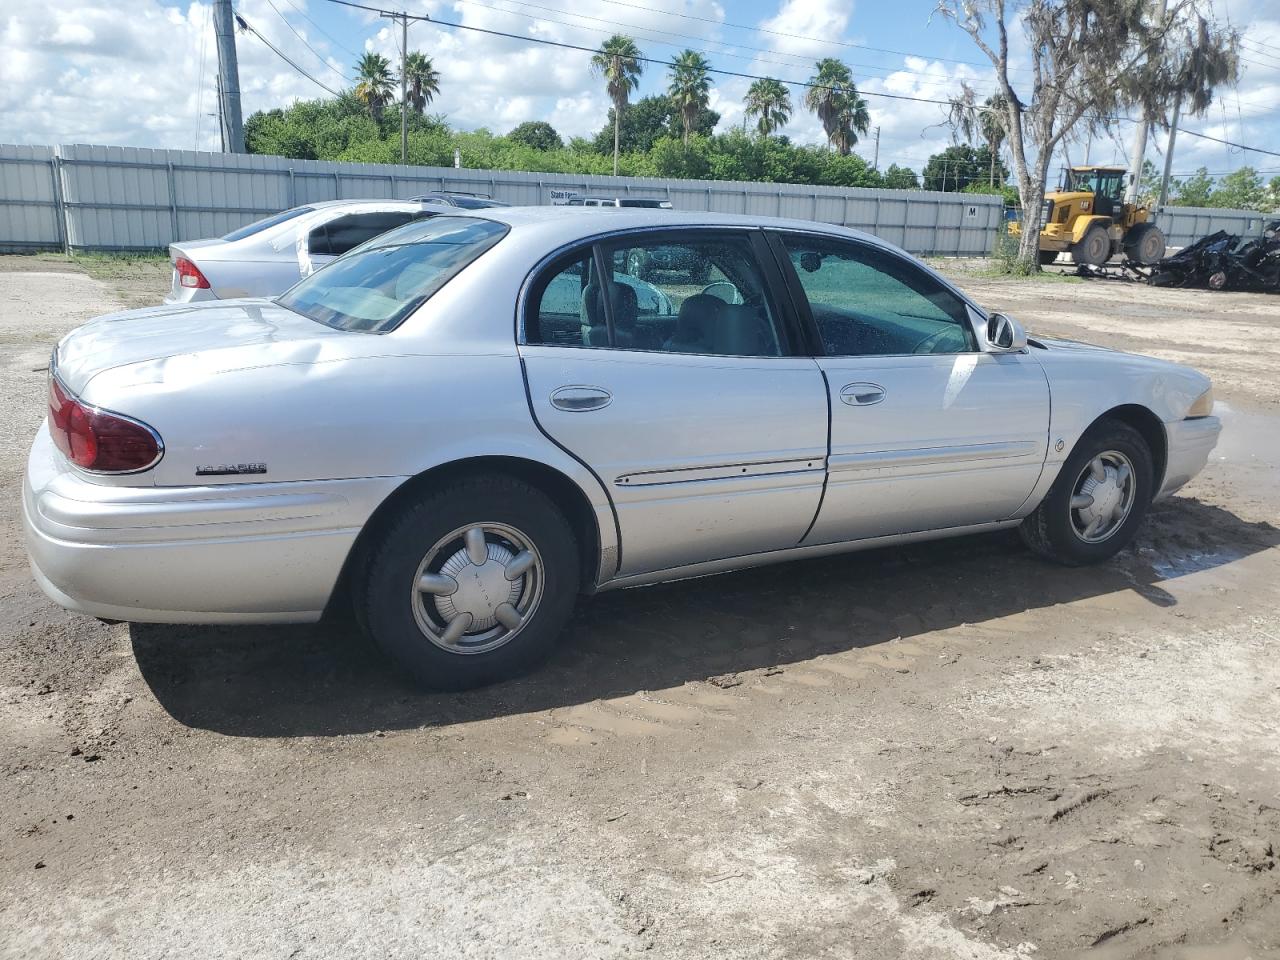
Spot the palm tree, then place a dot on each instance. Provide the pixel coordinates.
(618, 61)
(690, 87)
(374, 86)
(834, 98)
(992, 120)
(423, 79)
(769, 100)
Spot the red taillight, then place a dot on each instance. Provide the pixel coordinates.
(189, 274)
(97, 440)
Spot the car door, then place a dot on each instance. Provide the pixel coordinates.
(928, 429)
(699, 415)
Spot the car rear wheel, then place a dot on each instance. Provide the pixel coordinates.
(471, 584)
(1095, 506)
(1094, 248)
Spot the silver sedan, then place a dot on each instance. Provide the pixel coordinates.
(265, 258)
(467, 422)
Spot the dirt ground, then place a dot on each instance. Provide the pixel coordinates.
(946, 751)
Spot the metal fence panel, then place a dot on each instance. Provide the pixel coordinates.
(1184, 225)
(29, 218)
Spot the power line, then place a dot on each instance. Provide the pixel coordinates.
(244, 25)
(334, 40)
(797, 36)
(643, 59)
(728, 73)
(319, 55)
(796, 60)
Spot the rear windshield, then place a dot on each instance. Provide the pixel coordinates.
(379, 283)
(259, 225)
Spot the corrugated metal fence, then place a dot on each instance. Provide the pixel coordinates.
(1184, 225)
(82, 197)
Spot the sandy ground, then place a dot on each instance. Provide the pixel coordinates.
(948, 751)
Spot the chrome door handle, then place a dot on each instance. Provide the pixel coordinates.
(580, 399)
(861, 394)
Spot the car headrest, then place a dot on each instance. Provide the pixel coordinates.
(595, 326)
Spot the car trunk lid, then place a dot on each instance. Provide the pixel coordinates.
(218, 335)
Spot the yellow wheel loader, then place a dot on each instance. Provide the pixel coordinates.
(1088, 218)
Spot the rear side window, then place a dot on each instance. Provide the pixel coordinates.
(561, 305)
(341, 234)
(266, 222)
(374, 288)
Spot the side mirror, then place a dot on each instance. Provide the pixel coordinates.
(1005, 335)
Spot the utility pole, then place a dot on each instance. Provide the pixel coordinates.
(875, 164)
(1139, 153)
(404, 89)
(403, 20)
(1168, 153)
(228, 78)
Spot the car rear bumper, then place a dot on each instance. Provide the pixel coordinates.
(1189, 444)
(180, 294)
(234, 553)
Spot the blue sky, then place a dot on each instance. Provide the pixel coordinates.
(142, 73)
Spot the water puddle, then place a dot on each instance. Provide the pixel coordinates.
(1250, 444)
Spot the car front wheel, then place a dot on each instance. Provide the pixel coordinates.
(471, 584)
(1095, 506)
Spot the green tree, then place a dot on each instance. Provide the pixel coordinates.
(958, 166)
(618, 62)
(648, 120)
(690, 88)
(423, 80)
(769, 101)
(1194, 190)
(835, 99)
(375, 83)
(900, 178)
(1241, 189)
(537, 134)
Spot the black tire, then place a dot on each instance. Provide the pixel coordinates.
(383, 585)
(1050, 530)
(1047, 257)
(1145, 244)
(1094, 248)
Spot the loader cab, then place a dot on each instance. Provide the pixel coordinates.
(1105, 183)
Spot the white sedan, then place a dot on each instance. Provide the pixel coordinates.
(469, 421)
(265, 258)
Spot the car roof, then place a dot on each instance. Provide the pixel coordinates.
(325, 204)
(559, 225)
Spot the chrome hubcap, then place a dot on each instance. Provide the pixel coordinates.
(1104, 495)
(477, 588)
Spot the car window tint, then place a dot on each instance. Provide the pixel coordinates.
(258, 226)
(374, 288)
(868, 302)
(696, 296)
(564, 306)
(345, 233)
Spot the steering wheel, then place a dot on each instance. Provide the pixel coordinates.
(928, 343)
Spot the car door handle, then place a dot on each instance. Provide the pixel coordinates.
(861, 394)
(580, 399)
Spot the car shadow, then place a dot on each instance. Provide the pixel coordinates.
(324, 680)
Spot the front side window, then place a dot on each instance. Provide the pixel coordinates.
(375, 287)
(870, 302)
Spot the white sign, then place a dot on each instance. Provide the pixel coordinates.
(971, 212)
(561, 197)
